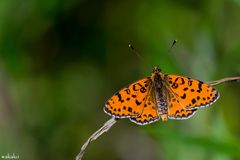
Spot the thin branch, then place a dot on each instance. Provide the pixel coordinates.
(113, 120)
(228, 79)
(95, 135)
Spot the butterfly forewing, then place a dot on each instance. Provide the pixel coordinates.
(191, 93)
(129, 102)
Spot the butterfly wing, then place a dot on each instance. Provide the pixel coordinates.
(176, 110)
(150, 111)
(129, 102)
(191, 93)
(177, 113)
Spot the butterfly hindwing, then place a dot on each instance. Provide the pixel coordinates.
(149, 113)
(177, 111)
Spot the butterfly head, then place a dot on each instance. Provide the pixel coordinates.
(156, 69)
(157, 75)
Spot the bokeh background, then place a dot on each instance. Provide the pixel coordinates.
(60, 60)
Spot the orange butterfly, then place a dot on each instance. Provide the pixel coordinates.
(160, 95)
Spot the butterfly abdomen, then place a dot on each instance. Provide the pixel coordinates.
(162, 109)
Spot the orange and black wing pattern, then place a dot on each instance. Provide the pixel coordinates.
(129, 102)
(135, 101)
(190, 93)
(176, 110)
(149, 113)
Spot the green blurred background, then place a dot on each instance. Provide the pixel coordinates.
(60, 60)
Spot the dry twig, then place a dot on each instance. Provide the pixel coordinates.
(113, 120)
(229, 79)
(95, 135)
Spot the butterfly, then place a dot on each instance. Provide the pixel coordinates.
(160, 96)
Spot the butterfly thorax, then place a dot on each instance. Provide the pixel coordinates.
(162, 107)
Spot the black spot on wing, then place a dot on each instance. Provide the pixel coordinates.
(143, 90)
(174, 85)
(182, 81)
(119, 97)
(129, 109)
(193, 101)
(137, 86)
(190, 81)
(127, 91)
(200, 87)
(176, 79)
(137, 102)
(134, 96)
(183, 96)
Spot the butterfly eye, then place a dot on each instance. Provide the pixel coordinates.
(159, 69)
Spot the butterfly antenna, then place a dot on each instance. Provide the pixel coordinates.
(173, 44)
(137, 53)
